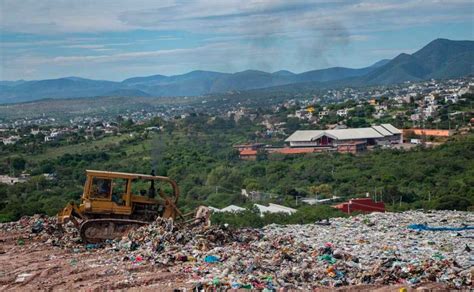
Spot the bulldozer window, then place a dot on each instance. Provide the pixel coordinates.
(101, 188)
(144, 187)
(119, 189)
(140, 187)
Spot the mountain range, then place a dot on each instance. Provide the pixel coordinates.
(440, 59)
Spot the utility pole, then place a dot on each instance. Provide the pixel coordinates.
(449, 120)
(296, 199)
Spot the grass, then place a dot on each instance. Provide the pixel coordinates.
(95, 145)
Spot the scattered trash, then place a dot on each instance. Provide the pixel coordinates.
(429, 228)
(211, 259)
(371, 249)
(375, 248)
(138, 259)
(37, 227)
(327, 258)
(22, 277)
(90, 246)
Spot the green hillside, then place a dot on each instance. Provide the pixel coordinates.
(197, 153)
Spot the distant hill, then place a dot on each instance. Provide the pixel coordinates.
(55, 88)
(126, 93)
(283, 73)
(439, 59)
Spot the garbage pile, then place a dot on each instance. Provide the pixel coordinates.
(166, 243)
(42, 228)
(378, 248)
(409, 248)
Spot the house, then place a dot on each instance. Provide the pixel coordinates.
(232, 209)
(248, 154)
(11, 140)
(429, 110)
(9, 180)
(364, 205)
(35, 132)
(451, 98)
(54, 136)
(315, 201)
(252, 195)
(153, 129)
(248, 151)
(274, 208)
(49, 176)
(415, 117)
(323, 113)
(342, 112)
(214, 209)
(431, 99)
(252, 146)
(303, 114)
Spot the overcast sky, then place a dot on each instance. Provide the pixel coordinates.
(116, 39)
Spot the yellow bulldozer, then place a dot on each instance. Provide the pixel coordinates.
(113, 203)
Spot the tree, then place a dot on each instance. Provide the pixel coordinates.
(453, 203)
(257, 171)
(293, 124)
(261, 155)
(323, 189)
(18, 164)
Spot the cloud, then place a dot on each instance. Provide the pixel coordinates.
(55, 36)
(230, 16)
(92, 47)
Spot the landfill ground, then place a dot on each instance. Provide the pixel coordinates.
(375, 252)
(40, 267)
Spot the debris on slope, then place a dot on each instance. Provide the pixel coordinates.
(368, 249)
(375, 249)
(44, 229)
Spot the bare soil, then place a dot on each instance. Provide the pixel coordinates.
(34, 265)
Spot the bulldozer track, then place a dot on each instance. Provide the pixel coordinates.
(100, 230)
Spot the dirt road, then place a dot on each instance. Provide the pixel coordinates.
(27, 265)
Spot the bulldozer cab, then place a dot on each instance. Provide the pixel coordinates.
(125, 193)
(108, 189)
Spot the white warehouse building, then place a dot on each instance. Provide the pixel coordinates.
(382, 134)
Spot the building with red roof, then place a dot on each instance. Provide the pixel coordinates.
(364, 205)
(248, 154)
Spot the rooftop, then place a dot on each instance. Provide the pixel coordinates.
(248, 152)
(345, 134)
(294, 150)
